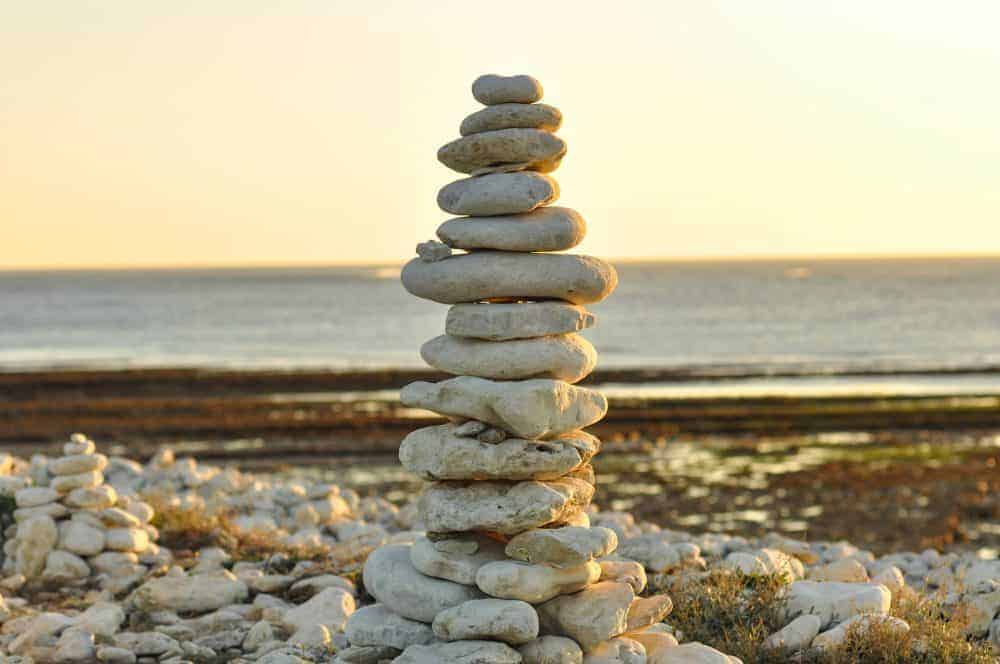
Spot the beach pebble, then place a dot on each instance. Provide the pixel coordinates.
(595, 614)
(460, 652)
(436, 453)
(432, 252)
(504, 150)
(545, 229)
(77, 463)
(498, 193)
(845, 570)
(35, 539)
(508, 116)
(376, 625)
(511, 621)
(566, 357)
(534, 583)
(391, 578)
(527, 409)
(78, 444)
(492, 89)
(35, 496)
(646, 611)
(200, 593)
(126, 539)
(859, 624)
(91, 498)
(51, 510)
(551, 650)
(455, 560)
(330, 608)
(66, 483)
(500, 322)
(796, 635)
(486, 275)
(562, 547)
(503, 507)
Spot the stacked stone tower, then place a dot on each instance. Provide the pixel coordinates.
(510, 569)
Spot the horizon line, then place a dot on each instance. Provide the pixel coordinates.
(258, 265)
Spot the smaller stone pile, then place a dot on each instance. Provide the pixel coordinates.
(70, 525)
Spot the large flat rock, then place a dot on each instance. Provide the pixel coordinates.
(521, 320)
(504, 150)
(503, 507)
(589, 617)
(510, 579)
(509, 116)
(436, 453)
(562, 547)
(391, 578)
(498, 193)
(545, 229)
(835, 602)
(456, 559)
(507, 276)
(197, 593)
(566, 357)
(511, 621)
(460, 652)
(528, 408)
(375, 625)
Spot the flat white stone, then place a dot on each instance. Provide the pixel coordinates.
(330, 608)
(436, 453)
(126, 539)
(527, 409)
(34, 496)
(91, 498)
(53, 510)
(511, 621)
(66, 483)
(500, 275)
(551, 650)
(593, 615)
(75, 464)
(523, 320)
(498, 193)
(835, 602)
(646, 611)
(391, 578)
(460, 652)
(490, 89)
(503, 150)
(693, 653)
(502, 507)
(507, 116)
(796, 635)
(562, 547)
(455, 560)
(567, 357)
(376, 625)
(619, 650)
(534, 584)
(195, 594)
(545, 229)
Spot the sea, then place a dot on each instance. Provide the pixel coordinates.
(826, 318)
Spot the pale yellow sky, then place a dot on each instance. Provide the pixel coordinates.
(135, 132)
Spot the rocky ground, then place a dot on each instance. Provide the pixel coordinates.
(174, 561)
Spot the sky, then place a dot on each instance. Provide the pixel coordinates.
(244, 132)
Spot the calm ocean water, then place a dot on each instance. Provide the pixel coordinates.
(825, 315)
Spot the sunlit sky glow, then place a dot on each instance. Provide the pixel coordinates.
(141, 133)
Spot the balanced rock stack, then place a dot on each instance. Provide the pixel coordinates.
(70, 525)
(510, 569)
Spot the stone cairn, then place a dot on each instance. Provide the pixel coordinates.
(70, 526)
(510, 569)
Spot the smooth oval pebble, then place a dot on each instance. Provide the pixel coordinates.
(498, 275)
(492, 89)
(498, 193)
(567, 357)
(512, 116)
(520, 320)
(545, 229)
(504, 150)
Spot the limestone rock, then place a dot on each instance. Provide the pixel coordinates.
(492, 89)
(64, 566)
(646, 611)
(35, 539)
(796, 635)
(460, 652)
(66, 483)
(551, 650)
(91, 498)
(693, 653)
(74, 646)
(503, 507)
(835, 602)
(436, 453)
(523, 320)
(34, 496)
(450, 560)
(498, 275)
(861, 623)
(567, 357)
(511, 621)
(562, 547)
(432, 252)
(391, 578)
(534, 584)
(77, 463)
(529, 409)
(196, 594)
(845, 570)
(375, 625)
(655, 643)
(330, 608)
(620, 650)
(126, 539)
(508, 116)
(658, 554)
(113, 655)
(593, 615)
(624, 571)
(498, 193)
(503, 150)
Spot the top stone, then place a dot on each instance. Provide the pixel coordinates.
(491, 89)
